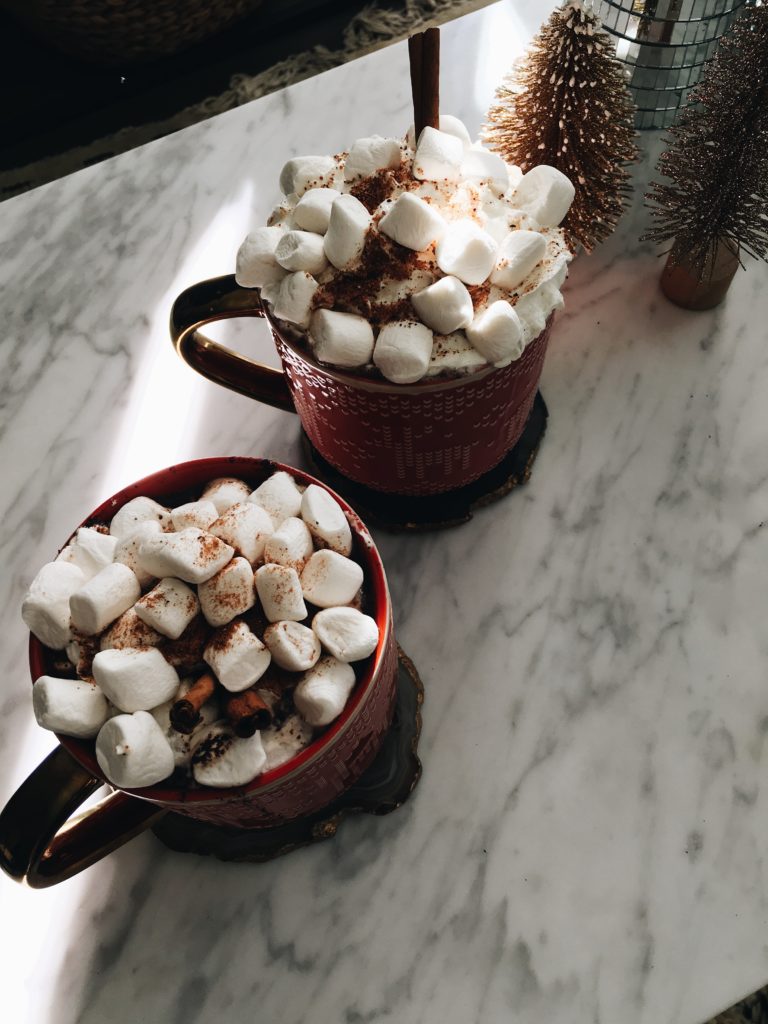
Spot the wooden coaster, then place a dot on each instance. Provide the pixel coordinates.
(382, 788)
(403, 512)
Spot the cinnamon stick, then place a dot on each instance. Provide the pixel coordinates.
(247, 712)
(185, 713)
(424, 54)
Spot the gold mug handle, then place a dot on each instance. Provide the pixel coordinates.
(222, 298)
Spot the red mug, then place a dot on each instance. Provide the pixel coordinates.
(410, 439)
(41, 846)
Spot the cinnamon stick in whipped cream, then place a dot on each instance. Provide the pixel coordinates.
(247, 712)
(185, 713)
(424, 56)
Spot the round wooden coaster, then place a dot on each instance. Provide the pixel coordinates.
(382, 788)
(403, 512)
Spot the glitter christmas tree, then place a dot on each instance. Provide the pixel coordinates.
(567, 104)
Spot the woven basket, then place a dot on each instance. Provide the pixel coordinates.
(126, 31)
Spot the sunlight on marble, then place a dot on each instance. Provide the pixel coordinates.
(506, 31)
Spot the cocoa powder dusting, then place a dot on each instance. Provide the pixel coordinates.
(479, 294)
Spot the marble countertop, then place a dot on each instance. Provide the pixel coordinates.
(587, 842)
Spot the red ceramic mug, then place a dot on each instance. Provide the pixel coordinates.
(40, 845)
(415, 439)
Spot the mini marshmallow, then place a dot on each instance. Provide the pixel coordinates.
(45, 609)
(366, 156)
(237, 657)
(90, 550)
(133, 752)
(412, 222)
(127, 551)
(135, 679)
(283, 743)
(195, 513)
(182, 744)
(301, 250)
(444, 306)
(347, 230)
(229, 593)
(70, 706)
(108, 594)
(303, 172)
(279, 590)
(256, 265)
(403, 350)
(341, 339)
(545, 194)
(346, 633)
(438, 156)
(282, 214)
(330, 579)
(279, 496)
(466, 252)
(326, 520)
(222, 759)
(294, 300)
(481, 165)
(497, 334)
(290, 544)
(293, 647)
(313, 210)
(192, 555)
(518, 255)
(245, 527)
(129, 631)
(169, 607)
(137, 511)
(450, 125)
(323, 691)
(225, 491)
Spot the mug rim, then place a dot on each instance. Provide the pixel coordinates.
(83, 750)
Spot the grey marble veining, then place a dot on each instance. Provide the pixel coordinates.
(587, 842)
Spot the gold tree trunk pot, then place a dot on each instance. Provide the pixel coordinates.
(694, 287)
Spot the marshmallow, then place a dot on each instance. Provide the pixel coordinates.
(445, 306)
(222, 759)
(313, 210)
(366, 156)
(342, 339)
(195, 513)
(182, 744)
(323, 691)
(279, 496)
(294, 300)
(245, 527)
(347, 230)
(286, 741)
(403, 350)
(70, 706)
(282, 214)
(169, 607)
(326, 520)
(518, 255)
(192, 555)
(412, 222)
(497, 334)
(229, 593)
(346, 633)
(301, 250)
(108, 594)
(450, 125)
(256, 265)
(237, 656)
(466, 251)
(45, 609)
(330, 579)
(438, 156)
(133, 752)
(290, 544)
(127, 551)
(135, 679)
(90, 550)
(293, 647)
(137, 511)
(481, 165)
(225, 491)
(129, 631)
(280, 594)
(303, 172)
(545, 194)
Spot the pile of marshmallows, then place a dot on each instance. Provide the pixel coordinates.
(200, 557)
(457, 208)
